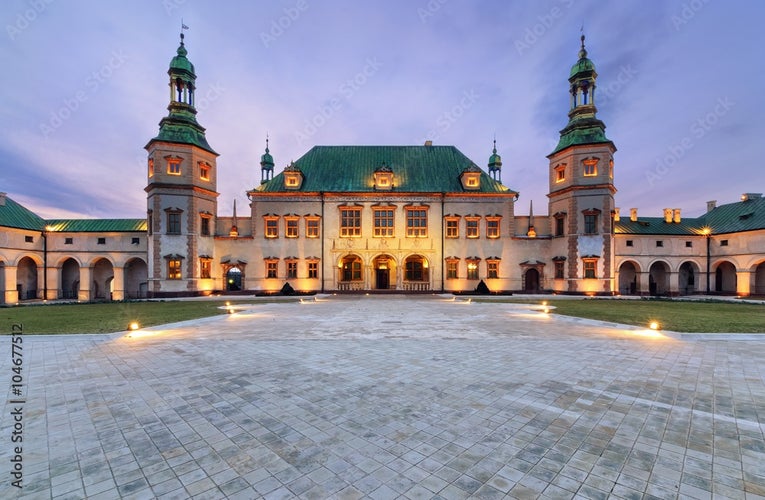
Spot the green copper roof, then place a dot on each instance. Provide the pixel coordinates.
(583, 65)
(733, 217)
(416, 169)
(181, 127)
(582, 131)
(14, 215)
(180, 62)
(97, 225)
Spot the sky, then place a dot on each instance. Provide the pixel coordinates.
(681, 89)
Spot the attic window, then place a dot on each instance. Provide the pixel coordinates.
(383, 177)
(746, 216)
(293, 177)
(471, 178)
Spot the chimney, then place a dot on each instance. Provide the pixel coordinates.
(633, 214)
(2, 199)
(668, 215)
(428, 143)
(711, 205)
(676, 214)
(617, 216)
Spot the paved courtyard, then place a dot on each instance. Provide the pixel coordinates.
(386, 397)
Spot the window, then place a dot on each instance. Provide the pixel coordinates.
(492, 269)
(29, 239)
(590, 167)
(272, 227)
(205, 266)
(451, 269)
(101, 241)
(688, 244)
(417, 222)
(471, 227)
(723, 243)
(271, 268)
(560, 224)
(68, 241)
(135, 241)
(313, 269)
(174, 166)
(292, 269)
(630, 243)
(383, 222)
(472, 270)
(291, 230)
(560, 173)
(659, 243)
(204, 171)
(151, 167)
(589, 268)
(560, 267)
(174, 269)
(173, 223)
(590, 224)
(350, 222)
(453, 227)
(611, 169)
(204, 225)
(312, 227)
(492, 227)
(350, 269)
(415, 269)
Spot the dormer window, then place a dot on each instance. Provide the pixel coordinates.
(471, 178)
(293, 177)
(383, 178)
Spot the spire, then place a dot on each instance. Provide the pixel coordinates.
(266, 165)
(234, 232)
(531, 233)
(583, 127)
(495, 164)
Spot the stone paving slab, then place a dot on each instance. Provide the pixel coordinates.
(388, 397)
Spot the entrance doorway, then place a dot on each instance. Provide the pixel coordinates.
(234, 279)
(383, 265)
(531, 284)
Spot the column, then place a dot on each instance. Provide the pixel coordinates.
(86, 281)
(10, 292)
(743, 283)
(643, 283)
(118, 283)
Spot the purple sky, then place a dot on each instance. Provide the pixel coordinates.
(681, 88)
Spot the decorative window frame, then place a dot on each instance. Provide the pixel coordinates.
(270, 226)
(174, 266)
(384, 231)
(271, 267)
(313, 268)
(472, 226)
(493, 226)
(413, 215)
(291, 265)
(590, 167)
(473, 266)
(595, 214)
(354, 230)
(454, 230)
(205, 223)
(170, 214)
(452, 268)
(150, 167)
(205, 170)
(560, 173)
(492, 267)
(590, 267)
(205, 267)
(174, 165)
(291, 226)
(312, 226)
(559, 224)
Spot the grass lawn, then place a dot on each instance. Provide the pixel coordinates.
(102, 318)
(674, 315)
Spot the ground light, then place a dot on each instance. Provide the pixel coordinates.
(133, 326)
(653, 325)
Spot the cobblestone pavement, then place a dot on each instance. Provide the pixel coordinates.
(385, 397)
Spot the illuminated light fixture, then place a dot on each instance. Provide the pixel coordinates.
(228, 303)
(544, 303)
(546, 310)
(653, 325)
(230, 310)
(133, 326)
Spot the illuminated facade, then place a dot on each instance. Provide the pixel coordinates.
(381, 218)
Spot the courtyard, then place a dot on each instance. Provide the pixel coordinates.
(386, 397)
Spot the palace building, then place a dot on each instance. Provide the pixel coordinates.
(416, 218)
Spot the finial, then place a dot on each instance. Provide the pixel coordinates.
(495, 145)
(183, 27)
(582, 51)
(266, 142)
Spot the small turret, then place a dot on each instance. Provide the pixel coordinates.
(495, 164)
(266, 165)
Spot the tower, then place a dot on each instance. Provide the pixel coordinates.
(266, 165)
(581, 191)
(181, 191)
(495, 164)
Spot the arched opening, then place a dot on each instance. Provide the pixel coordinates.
(234, 279)
(531, 281)
(136, 279)
(658, 279)
(688, 278)
(103, 274)
(26, 279)
(628, 279)
(725, 277)
(70, 279)
(385, 274)
(759, 279)
(416, 273)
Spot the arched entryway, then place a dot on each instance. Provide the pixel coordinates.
(103, 274)
(234, 279)
(628, 279)
(26, 279)
(384, 272)
(725, 277)
(416, 275)
(136, 279)
(759, 279)
(688, 278)
(658, 279)
(531, 281)
(70, 279)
